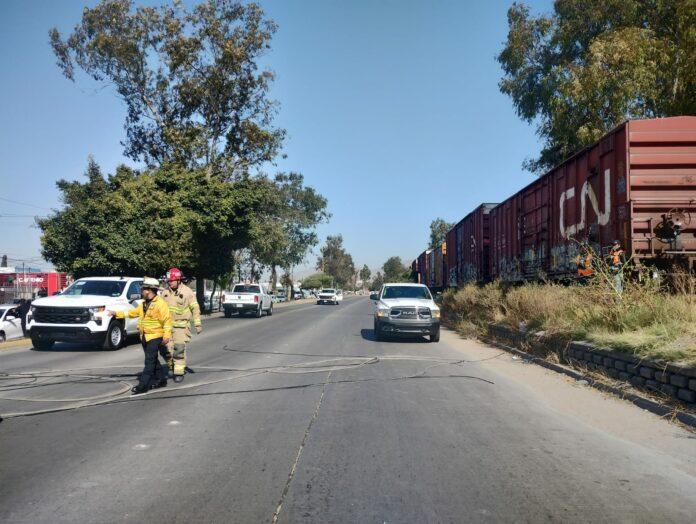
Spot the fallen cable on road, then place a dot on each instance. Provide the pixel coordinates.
(32, 379)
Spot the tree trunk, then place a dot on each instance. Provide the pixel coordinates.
(212, 294)
(200, 291)
(274, 279)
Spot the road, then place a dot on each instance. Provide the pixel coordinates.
(303, 424)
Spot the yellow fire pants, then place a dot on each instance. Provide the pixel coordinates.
(177, 349)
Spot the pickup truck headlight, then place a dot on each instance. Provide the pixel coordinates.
(382, 312)
(94, 311)
(435, 313)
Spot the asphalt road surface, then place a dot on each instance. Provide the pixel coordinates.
(303, 417)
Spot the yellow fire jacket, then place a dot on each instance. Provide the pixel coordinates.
(156, 322)
(183, 306)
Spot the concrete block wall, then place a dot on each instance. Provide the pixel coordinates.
(673, 380)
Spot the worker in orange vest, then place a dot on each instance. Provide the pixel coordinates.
(616, 262)
(585, 270)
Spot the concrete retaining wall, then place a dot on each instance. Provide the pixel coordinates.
(673, 380)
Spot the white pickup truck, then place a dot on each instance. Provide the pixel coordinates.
(406, 309)
(247, 298)
(330, 296)
(78, 313)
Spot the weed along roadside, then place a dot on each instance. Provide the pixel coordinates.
(644, 337)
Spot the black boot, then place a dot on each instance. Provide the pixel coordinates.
(161, 384)
(178, 378)
(138, 390)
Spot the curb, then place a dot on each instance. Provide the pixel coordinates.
(12, 344)
(655, 407)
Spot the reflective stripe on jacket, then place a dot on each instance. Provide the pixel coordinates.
(156, 322)
(183, 306)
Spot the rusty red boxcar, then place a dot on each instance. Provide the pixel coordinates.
(470, 247)
(637, 184)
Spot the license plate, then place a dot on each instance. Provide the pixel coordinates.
(237, 305)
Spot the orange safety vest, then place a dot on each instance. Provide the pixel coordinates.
(585, 266)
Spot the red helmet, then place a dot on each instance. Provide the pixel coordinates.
(174, 274)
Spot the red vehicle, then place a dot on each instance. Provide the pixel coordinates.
(45, 283)
(637, 184)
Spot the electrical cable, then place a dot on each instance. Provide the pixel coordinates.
(319, 366)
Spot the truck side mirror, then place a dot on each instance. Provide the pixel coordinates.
(134, 296)
(374, 296)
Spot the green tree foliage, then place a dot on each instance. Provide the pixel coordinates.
(317, 280)
(394, 270)
(335, 261)
(365, 275)
(377, 282)
(287, 223)
(438, 232)
(190, 80)
(133, 223)
(588, 66)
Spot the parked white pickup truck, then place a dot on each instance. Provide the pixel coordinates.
(247, 298)
(77, 314)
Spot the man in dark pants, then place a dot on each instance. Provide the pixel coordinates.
(155, 325)
(22, 310)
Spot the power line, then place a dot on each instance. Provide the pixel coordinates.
(23, 203)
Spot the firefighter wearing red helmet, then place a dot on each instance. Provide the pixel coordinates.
(184, 308)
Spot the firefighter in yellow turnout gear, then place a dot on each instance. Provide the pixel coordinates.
(183, 308)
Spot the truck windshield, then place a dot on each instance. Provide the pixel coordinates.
(245, 288)
(103, 288)
(406, 292)
(327, 291)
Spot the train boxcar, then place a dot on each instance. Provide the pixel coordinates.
(423, 268)
(637, 184)
(472, 246)
(451, 258)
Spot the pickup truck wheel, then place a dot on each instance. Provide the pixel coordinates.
(435, 335)
(378, 331)
(270, 310)
(42, 345)
(228, 313)
(3, 338)
(114, 336)
(259, 311)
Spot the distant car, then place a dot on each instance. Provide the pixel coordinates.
(215, 305)
(328, 296)
(248, 298)
(406, 309)
(10, 323)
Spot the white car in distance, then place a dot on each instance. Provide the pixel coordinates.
(329, 296)
(10, 323)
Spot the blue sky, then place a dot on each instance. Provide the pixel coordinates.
(391, 106)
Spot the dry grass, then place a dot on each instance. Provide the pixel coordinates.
(645, 319)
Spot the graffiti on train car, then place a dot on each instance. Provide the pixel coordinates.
(586, 193)
(469, 273)
(510, 270)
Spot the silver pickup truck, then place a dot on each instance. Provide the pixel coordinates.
(406, 309)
